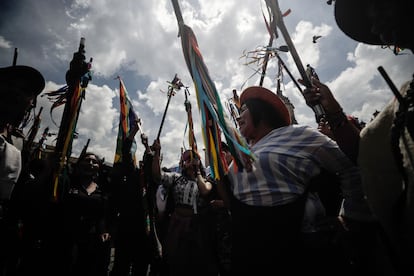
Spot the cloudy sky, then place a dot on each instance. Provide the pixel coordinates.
(138, 41)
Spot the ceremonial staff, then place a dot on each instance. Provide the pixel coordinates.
(278, 17)
(215, 121)
(175, 84)
(191, 136)
(15, 57)
(77, 78)
(269, 46)
(266, 60)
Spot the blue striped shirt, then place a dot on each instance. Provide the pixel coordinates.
(287, 159)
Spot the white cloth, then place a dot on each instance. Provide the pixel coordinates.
(381, 178)
(10, 168)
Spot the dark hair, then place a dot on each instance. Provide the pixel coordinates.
(262, 111)
(194, 155)
(98, 158)
(76, 173)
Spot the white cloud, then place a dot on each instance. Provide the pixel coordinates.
(4, 43)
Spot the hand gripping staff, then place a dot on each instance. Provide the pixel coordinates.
(273, 5)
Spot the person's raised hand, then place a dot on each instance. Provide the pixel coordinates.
(320, 93)
(156, 146)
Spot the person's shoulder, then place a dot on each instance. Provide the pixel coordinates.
(302, 131)
(170, 176)
(8, 149)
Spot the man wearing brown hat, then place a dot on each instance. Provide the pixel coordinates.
(268, 197)
(19, 87)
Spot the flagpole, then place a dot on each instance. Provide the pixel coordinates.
(215, 121)
(73, 76)
(191, 136)
(77, 80)
(15, 57)
(170, 92)
(178, 14)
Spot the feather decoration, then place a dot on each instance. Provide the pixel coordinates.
(58, 98)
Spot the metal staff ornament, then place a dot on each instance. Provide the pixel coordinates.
(175, 85)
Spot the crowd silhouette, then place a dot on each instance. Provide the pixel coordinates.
(336, 199)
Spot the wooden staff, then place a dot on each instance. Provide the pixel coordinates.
(15, 57)
(274, 6)
(175, 84)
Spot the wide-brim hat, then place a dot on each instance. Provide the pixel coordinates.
(264, 94)
(353, 18)
(29, 80)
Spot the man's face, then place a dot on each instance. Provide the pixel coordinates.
(245, 123)
(14, 103)
(188, 161)
(89, 165)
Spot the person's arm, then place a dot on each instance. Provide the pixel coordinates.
(156, 166)
(345, 133)
(223, 190)
(204, 186)
(334, 161)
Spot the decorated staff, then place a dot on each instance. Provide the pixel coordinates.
(175, 85)
(15, 56)
(58, 98)
(277, 20)
(269, 46)
(191, 137)
(214, 119)
(77, 78)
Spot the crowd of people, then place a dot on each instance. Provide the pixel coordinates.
(334, 200)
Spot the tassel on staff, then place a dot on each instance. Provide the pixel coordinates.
(74, 95)
(214, 120)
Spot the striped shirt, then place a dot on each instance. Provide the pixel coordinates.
(287, 159)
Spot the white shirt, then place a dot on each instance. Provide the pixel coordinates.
(10, 167)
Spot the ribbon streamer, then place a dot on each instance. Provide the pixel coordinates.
(214, 119)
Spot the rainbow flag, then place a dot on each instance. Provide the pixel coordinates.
(126, 123)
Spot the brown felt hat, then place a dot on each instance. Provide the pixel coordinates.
(261, 93)
(356, 19)
(27, 79)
